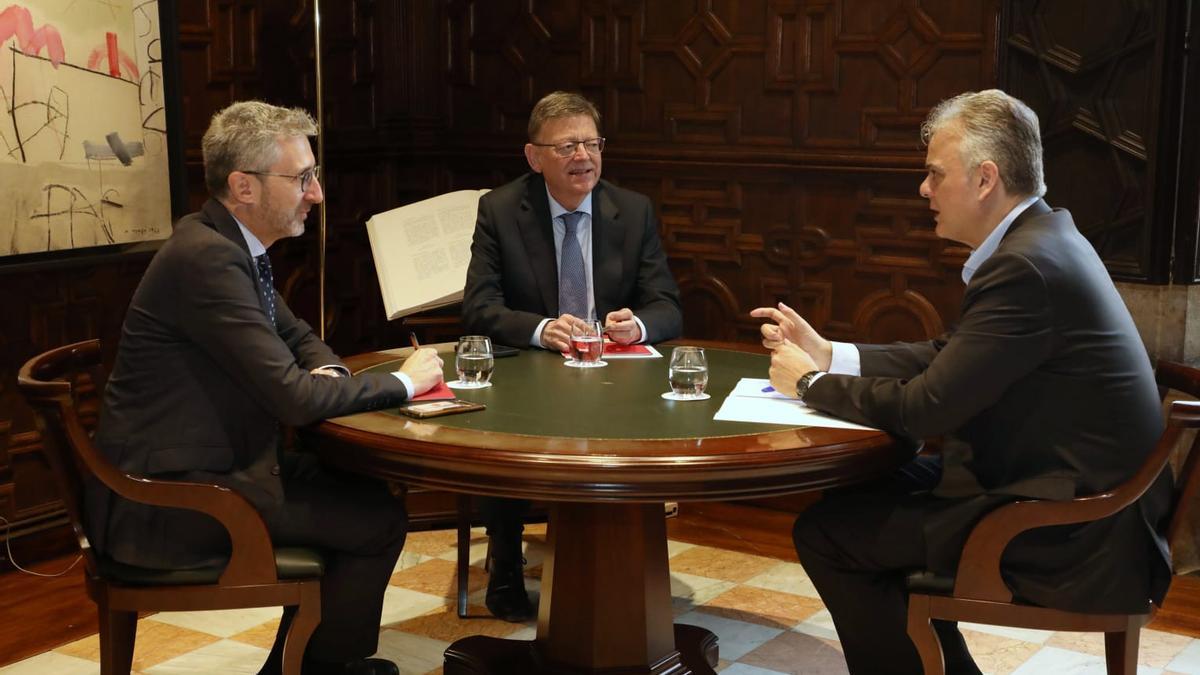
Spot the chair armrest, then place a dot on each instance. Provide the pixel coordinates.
(978, 574)
(252, 556)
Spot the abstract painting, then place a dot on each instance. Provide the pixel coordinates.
(83, 134)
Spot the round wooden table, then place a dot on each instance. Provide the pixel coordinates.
(606, 451)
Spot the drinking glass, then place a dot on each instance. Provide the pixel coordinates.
(474, 362)
(587, 345)
(688, 373)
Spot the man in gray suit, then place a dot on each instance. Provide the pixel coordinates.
(210, 365)
(553, 248)
(1042, 390)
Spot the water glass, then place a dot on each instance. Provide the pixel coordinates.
(587, 344)
(688, 373)
(473, 360)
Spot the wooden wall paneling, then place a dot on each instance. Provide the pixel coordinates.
(1093, 71)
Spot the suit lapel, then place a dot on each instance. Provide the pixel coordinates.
(537, 233)
(607, 262)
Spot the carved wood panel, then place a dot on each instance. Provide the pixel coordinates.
(778, 138)
(1095, 73)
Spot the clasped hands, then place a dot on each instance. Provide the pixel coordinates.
(795, 347)
(620, 326)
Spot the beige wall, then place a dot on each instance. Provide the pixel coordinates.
(1168, 317)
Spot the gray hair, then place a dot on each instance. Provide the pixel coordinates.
(244, 137)
(560, 104)
(998, 127)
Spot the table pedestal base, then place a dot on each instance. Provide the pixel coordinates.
(605, 607)
(481, 655)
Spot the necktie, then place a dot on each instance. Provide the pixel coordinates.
(266, 285)
(572, 282)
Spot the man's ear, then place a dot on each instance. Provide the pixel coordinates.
(987, 178)
(531, 156)
(241, 187)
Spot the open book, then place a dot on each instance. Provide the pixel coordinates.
(422, 250)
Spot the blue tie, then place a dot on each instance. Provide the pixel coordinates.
(572, 280)
(266, 285)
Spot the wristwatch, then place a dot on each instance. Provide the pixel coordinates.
(805, 382)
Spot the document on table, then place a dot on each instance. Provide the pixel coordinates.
(753, 400)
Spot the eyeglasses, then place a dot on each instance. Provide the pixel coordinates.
(306, 177)
(593, 146)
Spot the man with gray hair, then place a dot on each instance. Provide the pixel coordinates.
(1042, 390)
(212, 362)
(552, 249)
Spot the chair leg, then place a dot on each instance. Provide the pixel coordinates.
(464, 551)
(1121, 651)
(304, 622)
(924, 637)
(118, 630)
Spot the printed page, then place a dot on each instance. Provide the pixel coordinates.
(422, 251)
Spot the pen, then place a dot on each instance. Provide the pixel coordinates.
(412, 337)
(768, 389)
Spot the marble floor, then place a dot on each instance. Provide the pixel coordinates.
(765, 612)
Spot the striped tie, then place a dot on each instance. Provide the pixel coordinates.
(572, 281)
(266, 285)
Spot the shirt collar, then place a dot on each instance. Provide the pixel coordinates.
(989, 245)
(256, 247)
(557, 209)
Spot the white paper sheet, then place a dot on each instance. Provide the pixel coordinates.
(771, 407)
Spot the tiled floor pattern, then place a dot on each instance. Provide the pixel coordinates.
(765, 612)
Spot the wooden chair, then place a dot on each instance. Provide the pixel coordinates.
(977, 592)
(257, 574)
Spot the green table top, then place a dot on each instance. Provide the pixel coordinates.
(535, 392)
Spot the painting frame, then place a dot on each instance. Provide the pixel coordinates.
(176, 183)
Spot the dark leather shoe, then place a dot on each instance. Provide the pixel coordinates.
(371, 667)
(506, 596)
(355, 667)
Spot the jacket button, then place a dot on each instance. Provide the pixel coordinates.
(275, 470)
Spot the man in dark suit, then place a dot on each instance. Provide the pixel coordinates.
(210, 365)
(552, 249)
(1042, 390)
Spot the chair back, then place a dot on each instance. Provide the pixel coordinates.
(51, 383)
(1183, 529)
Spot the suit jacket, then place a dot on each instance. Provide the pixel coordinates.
(1044, 389)
(512, 281)
(202, 382)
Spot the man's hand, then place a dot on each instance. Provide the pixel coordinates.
(424, 368)
(326, 371)
(556, 335)
(621, 327)
(788, 364)
(791, 327)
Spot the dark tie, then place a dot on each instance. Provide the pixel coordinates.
(572, 281)
(266, 285)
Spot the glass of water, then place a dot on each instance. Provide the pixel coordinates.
(474, 362)
(688, 373)
(587, 345)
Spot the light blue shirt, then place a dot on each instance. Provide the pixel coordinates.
(583, 233)
(846, 359)
(256, 249)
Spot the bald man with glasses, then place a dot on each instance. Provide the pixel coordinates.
(553, 248)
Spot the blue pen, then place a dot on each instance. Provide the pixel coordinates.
(768, 389)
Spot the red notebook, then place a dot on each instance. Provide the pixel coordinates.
(439, 393)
